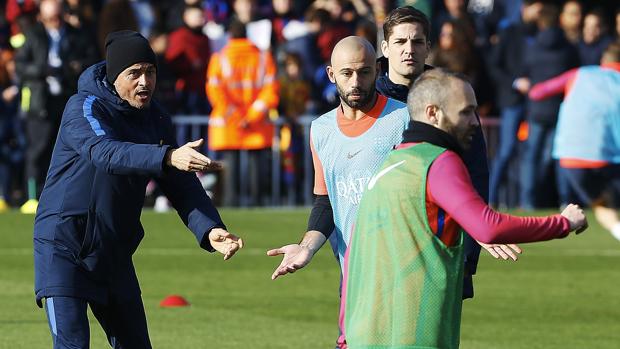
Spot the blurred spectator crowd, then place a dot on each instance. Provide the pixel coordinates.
(504, 46)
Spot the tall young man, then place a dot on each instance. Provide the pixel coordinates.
(405, 49)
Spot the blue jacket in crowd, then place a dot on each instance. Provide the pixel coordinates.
(550, 54)
(506, 62)
(88, 220)
(590, 54)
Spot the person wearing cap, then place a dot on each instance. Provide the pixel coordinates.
(113, 139)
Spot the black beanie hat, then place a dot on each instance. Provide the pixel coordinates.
(125, 48)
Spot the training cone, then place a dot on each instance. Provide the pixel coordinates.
(173, 301)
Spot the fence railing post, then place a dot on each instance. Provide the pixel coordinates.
(276, 167)
(306, 121)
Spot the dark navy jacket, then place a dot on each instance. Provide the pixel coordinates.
(549, 55)
(506, 62)
(476, 161)
(590, 54)
(88, 220)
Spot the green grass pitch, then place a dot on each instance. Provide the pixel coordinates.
(560, 294)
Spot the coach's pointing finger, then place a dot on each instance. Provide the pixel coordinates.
(186, 158)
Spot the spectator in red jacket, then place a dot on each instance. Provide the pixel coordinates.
(188, 55)
(16, 10)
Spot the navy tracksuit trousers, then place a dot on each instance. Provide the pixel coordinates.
(124, 323)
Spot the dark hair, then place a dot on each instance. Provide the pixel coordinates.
(579, 2)
(292, 57)
(548, 17)
(318, 14)
(602, 16)
(368, 30)
(405, 14)
(530, 2)
(192, 7)
(236, 28)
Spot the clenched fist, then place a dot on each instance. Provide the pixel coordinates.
(576, 217)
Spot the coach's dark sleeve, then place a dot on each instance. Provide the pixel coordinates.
(190, 200)
(86, 129)
(322, 216)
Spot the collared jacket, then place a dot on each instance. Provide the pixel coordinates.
(87, 224)
(386, 87)
(242, 87)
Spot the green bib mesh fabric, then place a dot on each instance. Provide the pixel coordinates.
(404, 285)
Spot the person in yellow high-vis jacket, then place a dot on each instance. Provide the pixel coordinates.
(242, 87)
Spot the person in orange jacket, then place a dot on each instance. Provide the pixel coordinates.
(242, 88)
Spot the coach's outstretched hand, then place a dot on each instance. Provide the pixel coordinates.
(225, 242)
(187, 158)
(576, 217)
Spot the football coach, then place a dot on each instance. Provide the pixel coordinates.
(113, 139)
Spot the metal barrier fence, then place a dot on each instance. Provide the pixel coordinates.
(192, 127)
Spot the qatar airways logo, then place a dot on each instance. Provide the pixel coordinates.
(351, 187)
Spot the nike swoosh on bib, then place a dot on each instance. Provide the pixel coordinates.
(350, 156)
(373, 180)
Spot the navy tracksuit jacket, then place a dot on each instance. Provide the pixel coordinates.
(88, 221)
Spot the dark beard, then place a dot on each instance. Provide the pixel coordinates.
(461, 136)
(366, 98)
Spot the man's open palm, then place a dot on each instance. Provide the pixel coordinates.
(295, 258)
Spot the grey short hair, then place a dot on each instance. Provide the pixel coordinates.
(431, 87)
